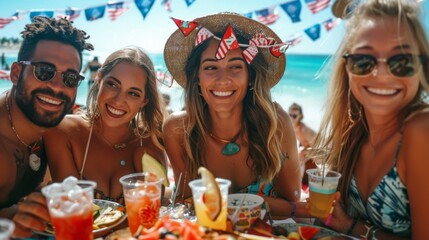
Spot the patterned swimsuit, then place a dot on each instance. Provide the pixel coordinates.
(388, 206)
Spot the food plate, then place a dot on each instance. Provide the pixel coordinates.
(293, 227)
(103, 204)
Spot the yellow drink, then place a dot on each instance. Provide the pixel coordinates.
(203, 219)
(201, 208)
(321, 201)
(322, 191)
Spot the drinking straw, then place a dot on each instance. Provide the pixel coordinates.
(173, 197)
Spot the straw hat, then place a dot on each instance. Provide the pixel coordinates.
(178, 47)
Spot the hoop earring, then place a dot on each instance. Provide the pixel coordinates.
(354, 116)
(97, 113)
(136, 124)
(253, 93)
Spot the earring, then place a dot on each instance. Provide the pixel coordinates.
(253, 93)
(96, 112)
(352, 115)
(136, 124)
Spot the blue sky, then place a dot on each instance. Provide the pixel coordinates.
(152, 32)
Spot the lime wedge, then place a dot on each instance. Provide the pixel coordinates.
(212, 197)
(151, 165)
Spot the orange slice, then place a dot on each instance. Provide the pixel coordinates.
(307, 232)
(212, 197)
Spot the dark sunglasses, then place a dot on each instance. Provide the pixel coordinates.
(401, 65)
(294, 115)
(46, 72)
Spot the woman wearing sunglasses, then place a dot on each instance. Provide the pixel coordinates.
(122, 122)
(377, 123)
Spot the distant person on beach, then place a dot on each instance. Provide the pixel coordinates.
(168, 109)
(93, 67)
(231, 125)
(377, 123)
(3, 60)
(305, 136)
(45, 78)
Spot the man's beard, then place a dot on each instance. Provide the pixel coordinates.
(27, 105)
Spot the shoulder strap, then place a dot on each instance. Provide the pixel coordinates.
(86, 152)
(398, 149)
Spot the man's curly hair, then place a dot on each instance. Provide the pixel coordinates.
(44, 28)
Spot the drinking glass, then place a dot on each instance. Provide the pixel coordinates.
(142, 192)
(201, 210)
(323, 185)
(6, 228)
(70, 207)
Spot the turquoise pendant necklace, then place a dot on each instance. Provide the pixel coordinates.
(231, 146)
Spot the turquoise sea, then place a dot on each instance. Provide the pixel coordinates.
(301, 84)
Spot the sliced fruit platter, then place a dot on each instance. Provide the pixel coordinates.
(167, 228)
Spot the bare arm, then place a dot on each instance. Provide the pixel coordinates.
(287, 184)
(173, 140)
(415, 155)
(59, 150)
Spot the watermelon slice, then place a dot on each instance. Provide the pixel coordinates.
(307, 232)
(151, 165)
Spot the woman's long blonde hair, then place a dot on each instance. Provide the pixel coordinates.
(260, 119)
(148, 121)
(343, 129)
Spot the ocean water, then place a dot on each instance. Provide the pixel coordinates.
(302, 83)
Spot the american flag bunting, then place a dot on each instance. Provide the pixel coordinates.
(185, 26)
(257, 41)
(229, 42)
(116, 9)
(202, 35)
(316, 6)
(70, 14)
(5, 21)
(330, 23)
(267, 16)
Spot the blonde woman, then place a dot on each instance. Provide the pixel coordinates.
(230, 124)
(377, 123)
(123, 121)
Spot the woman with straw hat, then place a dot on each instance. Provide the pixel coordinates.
(227, 64)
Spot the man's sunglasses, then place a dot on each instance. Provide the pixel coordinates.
(401, 65)
(293, 115)
(46, 72)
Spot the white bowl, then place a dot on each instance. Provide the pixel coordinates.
(249, 211)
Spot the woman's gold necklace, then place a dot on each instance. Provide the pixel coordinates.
(231, 147)
(33, 159)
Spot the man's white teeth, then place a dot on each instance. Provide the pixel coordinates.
(48, 100)
(222, 93)
(382, 91)
(115, 111)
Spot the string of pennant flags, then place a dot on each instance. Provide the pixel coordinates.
(115, 9)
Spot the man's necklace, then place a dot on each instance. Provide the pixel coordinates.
(231, 146)
(33, 159)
